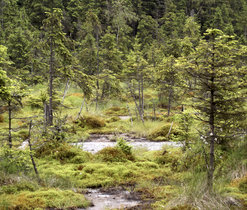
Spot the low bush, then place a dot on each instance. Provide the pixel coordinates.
(171, 156)
(117, 111)
(113, 119)
(91, 121)
(19, 186)
(14, 161)
(63, 152)
(23, 134)
(112, 154)
(243, 185)
(161, 133)
(43, 199)
(124, 146)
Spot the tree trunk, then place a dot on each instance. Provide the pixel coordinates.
(10, 124)
(65, 90)
(46, 115)
(142, 95)
(154, 112)
(170, 101)
(97, 82)
(51, 83)
(31, 154)
(79, 113)
(137, 106)
(117, 34)
(212, 139)
(130, 115)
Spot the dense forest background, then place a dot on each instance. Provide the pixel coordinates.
(177, 68)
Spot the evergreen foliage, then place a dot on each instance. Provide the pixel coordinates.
(177, 66)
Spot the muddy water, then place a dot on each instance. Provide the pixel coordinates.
(114, 199)
(97, 142)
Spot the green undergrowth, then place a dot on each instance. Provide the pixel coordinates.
(116, 111)
(62, 152)
(43, 198)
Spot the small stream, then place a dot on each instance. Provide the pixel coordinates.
(118, 198)
(98, 142)
(113, 199)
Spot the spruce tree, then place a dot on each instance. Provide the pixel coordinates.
(54, 41)
(219, 69)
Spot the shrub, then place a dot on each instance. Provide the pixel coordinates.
(63, 152)
(171, 156)
(91, 121)
(23, 134)
(112, 154)
(161, 133)
(243, 185)
(44, 198)
(13, 161)
(117, 111)
(113, 119)
(17, 187)
(124, 146)
(82, 157)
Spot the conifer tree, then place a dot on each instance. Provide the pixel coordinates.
(55, 42)
(135, 70)
(219, 68)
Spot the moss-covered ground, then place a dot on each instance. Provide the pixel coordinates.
(173, 178)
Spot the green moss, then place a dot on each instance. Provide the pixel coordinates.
(171, 156)
(161, 133)
(243, 185)
(63, 152)
(112, 154)
(113, 119)
(117, 111)
(91, 121)
(1, 118)
(17, 187)
(44, 198)
(23, 134)
(147, 164)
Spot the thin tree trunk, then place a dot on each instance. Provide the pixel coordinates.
(31, 154)
(212, 139)
(97, 82)
(10, 123)
(117, 35)
(46, 115)
(2, 22)
(142, 95)
(154, 112)
(65, 90)
(139, 93)
(51, 83)
(130, 115)
(170, 130)
(169, 102)
(79, 113)
(137, 116)
(138, 107)
(86, 105)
